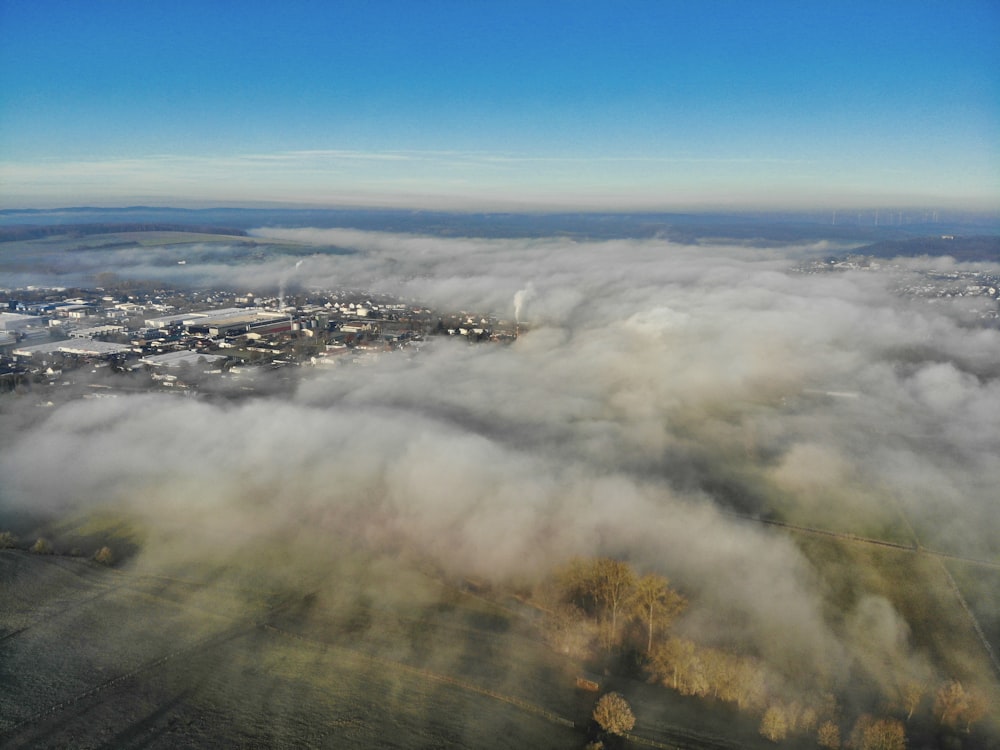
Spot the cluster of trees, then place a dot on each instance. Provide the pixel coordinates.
(747, 682)
(690, 669)
(781, 719)
(877, 733)
(603, 604)
(959, 707)
(606, 600)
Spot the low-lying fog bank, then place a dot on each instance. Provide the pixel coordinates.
(659, 387)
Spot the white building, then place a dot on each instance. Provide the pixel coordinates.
(175, 360)
(79, 347)
(16, 322)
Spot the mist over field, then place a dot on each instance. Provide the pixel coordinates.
(656, 389)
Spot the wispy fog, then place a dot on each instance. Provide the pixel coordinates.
(655, 391)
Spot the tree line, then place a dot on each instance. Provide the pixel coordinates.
(36, 231)
(597, 608)
(42, 546)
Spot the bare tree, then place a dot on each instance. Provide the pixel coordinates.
(569, 631)
(41, 546)
(664, 663)
(808, 718)
(878, 734)
(671, 661)
(793, 715)
(613, 714)
(949, 702)
(977, 705)
(599, 587)
(718, 667)
(954, 705)
(911, 693)
(576, 584)
(680, 664)
(828, 735)
(655, 604)
(749, 688)
(774, 723)
(613, 584)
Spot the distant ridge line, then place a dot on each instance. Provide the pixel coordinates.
(33, 232)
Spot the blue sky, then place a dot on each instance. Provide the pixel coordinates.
(501, 104)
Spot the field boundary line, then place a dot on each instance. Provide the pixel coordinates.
(915, 549)
(433, 676)
(109, 683)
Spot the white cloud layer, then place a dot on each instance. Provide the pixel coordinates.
(658, 385)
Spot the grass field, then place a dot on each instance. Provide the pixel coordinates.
(980, 586)
(916, 586)
(200, 669)
(97, 657)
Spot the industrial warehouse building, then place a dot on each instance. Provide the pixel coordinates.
(176, 360)
(230, 321)
(79, 347)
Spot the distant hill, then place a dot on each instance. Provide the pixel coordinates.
(769, 227)
(967, 249)
(34, 231)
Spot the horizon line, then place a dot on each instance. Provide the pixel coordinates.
(893, 211)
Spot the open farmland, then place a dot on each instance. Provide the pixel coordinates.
(92, 657)
(918, 587)
(99, 657)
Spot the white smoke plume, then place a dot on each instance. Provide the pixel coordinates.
(521, 297)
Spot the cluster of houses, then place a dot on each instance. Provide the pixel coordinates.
(48, 331)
